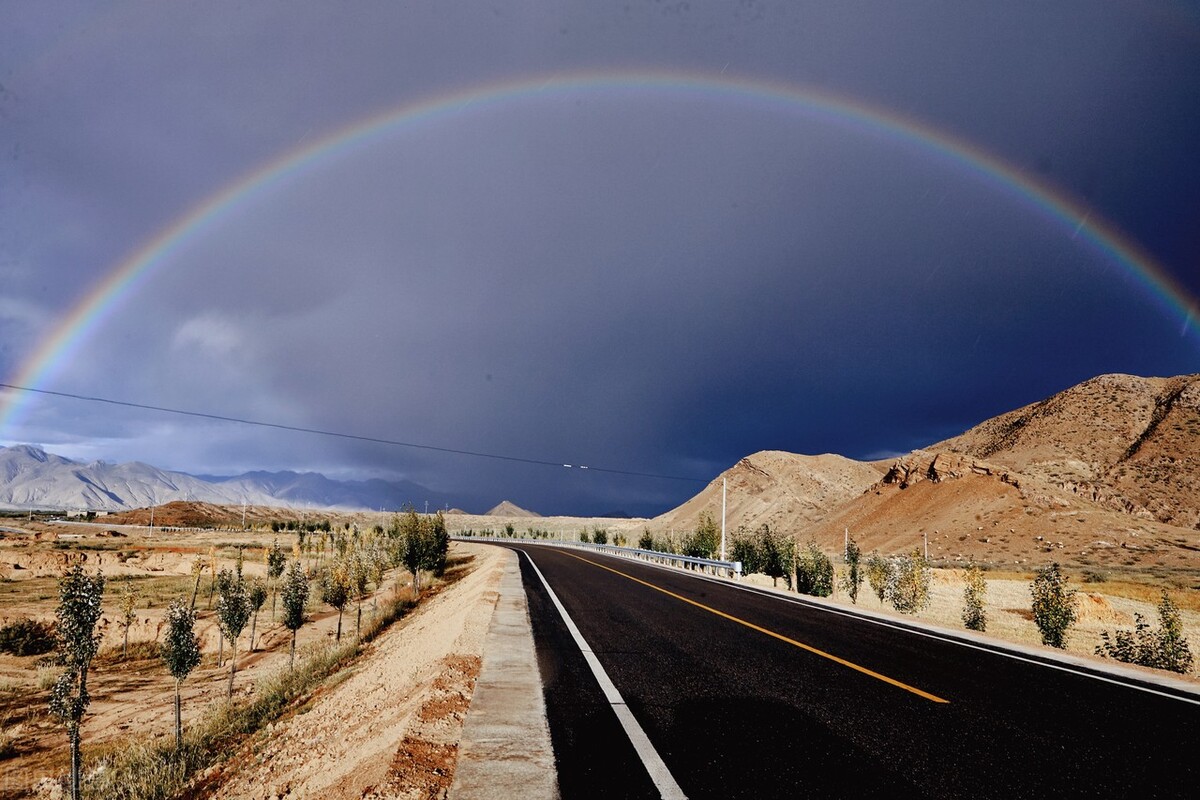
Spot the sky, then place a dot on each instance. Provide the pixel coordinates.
(645, 237)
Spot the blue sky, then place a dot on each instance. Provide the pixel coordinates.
(633, 276)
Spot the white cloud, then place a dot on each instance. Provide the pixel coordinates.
(213, 336)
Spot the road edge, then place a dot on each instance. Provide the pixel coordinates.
(505, 750)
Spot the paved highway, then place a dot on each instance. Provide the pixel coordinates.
(746, 694)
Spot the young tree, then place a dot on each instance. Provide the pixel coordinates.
(439, 545)
(257, 594)
(705, 540)
(747, 551)
(878, 571)
(181, 651)
(276, 561)
(908, 582)
(80, 596)
(223, 579)
(853, 578)
(973, 615)
(584, 536)
(197, 572)
(1053, 605)
(295, 596)
(335, 589)
(360, 579)
(777, 555)
(233, 612)
(378, 564)
(212, 569)
(646, 541)
(127, 604)
(600, 535)
(814, 572)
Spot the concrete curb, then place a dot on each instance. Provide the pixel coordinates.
(505, 749)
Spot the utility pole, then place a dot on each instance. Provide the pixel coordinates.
(152, 519)
(243, 515)
(723, 483)
(925, 536)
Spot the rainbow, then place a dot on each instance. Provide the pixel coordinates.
(60, 345)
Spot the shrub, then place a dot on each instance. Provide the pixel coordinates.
(877, 575)
(1053, 605)
(908, 582)
(1165, 648)
(600, 536)
(646, 541)
(814, 572)
(26, 637)
(973, 615)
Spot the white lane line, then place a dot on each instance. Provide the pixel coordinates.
(651, 760)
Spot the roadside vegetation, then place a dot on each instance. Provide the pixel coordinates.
(344, 566)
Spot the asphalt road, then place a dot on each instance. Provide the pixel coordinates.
(722, 683)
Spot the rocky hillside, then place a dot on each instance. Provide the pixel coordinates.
(1104, 473)
(1131, 444)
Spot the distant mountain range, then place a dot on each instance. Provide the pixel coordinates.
(31, 478)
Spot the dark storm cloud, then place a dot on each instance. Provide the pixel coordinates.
(631, 278)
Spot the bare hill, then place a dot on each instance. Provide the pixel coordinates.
(1130, 443)
(1106, 473)
(784, 490)
(507, 509)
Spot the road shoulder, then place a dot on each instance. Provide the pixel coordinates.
(505, 750)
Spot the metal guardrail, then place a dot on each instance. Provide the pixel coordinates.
(709, 566)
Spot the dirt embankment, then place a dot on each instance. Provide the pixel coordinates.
(391, 728)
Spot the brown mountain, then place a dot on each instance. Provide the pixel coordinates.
(1130, 443)
(780, 489)
(507, 509)
(1106, 473)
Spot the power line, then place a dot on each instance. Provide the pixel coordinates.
(340, 435)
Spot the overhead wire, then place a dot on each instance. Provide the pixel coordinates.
(342, 435)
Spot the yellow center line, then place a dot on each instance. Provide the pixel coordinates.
(770, 633)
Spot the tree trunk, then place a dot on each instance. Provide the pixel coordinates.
(196, 590)
(75, 766)
(125, 650)
(292, 664)
(339, 631)
(253, 624)
(178, 720)
(358, 625)
(416, 589)
(273, 593)
(220, 648)
(232, 665)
